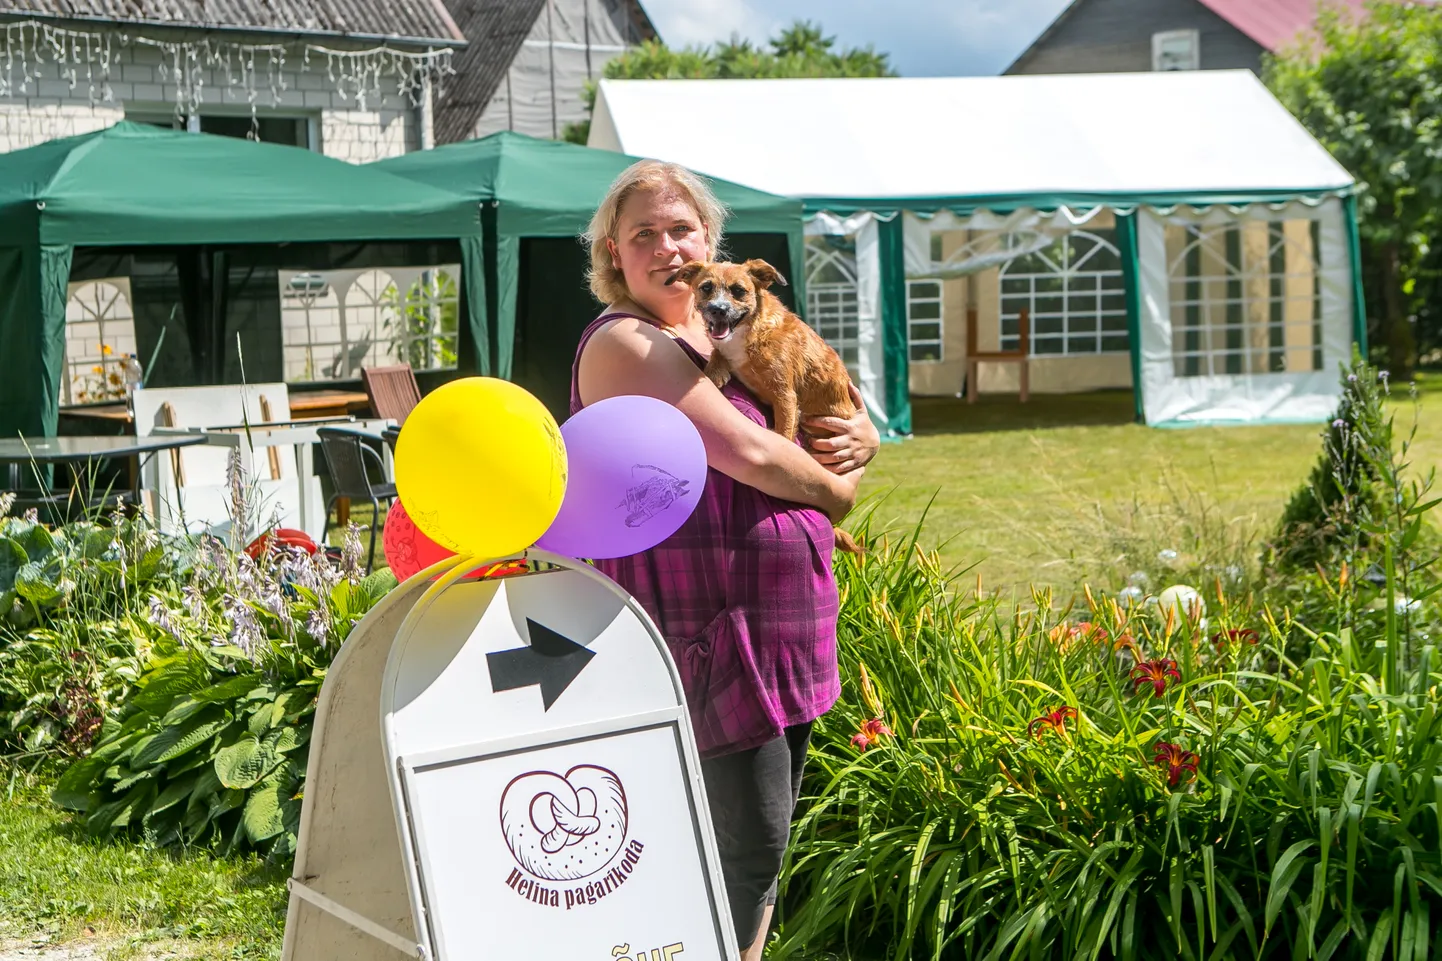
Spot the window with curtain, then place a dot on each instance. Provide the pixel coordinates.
(1245, 297)
(1074, 294)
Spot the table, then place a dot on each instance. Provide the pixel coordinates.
(17, 451)
(303, 406)
(301, 435)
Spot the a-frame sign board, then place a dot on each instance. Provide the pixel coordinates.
(504, 769)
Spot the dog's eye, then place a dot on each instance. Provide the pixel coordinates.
(738, 291)
(707, 287)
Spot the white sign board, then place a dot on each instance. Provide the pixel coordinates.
(546, 786)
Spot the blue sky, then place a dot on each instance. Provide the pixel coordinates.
(924, 37)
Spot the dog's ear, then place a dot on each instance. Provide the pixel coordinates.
(764, 274)
(686, 273)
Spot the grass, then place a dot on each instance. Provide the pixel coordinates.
(1042, 492)
(58, 882)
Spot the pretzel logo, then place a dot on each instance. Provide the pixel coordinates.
(564, 828)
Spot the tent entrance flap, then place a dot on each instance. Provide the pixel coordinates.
(32, 336)
(1246, 315)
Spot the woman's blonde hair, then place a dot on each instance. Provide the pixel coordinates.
(606, 280)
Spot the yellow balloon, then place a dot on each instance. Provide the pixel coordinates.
(481, 467)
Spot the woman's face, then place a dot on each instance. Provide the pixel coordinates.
(657, 232)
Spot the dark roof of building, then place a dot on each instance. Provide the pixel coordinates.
(495, 30)
(399, 21)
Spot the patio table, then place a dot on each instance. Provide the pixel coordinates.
(301, 434)
(15, 452)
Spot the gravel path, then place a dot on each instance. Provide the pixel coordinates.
(91, 949)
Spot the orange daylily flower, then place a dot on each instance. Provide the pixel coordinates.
(1055, 721)
(871, 733)
(1175, 760)
(1156, 674)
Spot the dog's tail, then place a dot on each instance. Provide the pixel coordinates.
(845, 542)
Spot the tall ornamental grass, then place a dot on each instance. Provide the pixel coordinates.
(1105, 777)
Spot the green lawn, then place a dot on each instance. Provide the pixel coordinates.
(55, 882)
(1044, 492)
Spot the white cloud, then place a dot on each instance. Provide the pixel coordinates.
(923, 37)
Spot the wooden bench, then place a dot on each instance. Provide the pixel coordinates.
(1021, 356)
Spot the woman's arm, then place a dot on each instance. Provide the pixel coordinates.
(632, 357)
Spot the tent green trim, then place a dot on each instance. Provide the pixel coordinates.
(547, 188)
(1131, 279)
(1354, 251)
(1121, 202)
(134, 185)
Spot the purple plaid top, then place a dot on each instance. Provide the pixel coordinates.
(745, 597)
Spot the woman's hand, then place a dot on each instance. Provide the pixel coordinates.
(854, 440)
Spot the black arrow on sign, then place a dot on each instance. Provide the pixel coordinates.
(553, 661)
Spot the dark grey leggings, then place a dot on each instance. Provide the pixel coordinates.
(752, 795)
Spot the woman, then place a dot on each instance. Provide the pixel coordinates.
(743, 592)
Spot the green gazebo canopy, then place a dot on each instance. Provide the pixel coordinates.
(136, 185)
(547, 188)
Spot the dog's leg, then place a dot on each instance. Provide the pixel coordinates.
(718, 371)
(786, 413)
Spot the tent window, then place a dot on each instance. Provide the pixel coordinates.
(923, 319)
(1245, 297)
(334, 322)
(832, 301)
(99, 332)
(1074, 294)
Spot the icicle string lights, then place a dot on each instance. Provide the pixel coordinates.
(87, 58)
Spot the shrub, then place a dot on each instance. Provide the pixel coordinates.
(72, 602)
(209, 742)
(1112, 782)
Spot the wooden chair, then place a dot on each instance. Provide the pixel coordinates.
(1021, 356)
(392, 390)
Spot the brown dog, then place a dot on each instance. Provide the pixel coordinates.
(767, 348)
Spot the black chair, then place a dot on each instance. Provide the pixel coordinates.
(346, 453)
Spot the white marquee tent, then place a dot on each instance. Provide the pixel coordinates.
(1179, 233)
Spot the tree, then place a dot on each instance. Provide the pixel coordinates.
(800, 50)
(1369, 88)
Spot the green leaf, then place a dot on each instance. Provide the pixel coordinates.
(285, 739)
(36, 541)
(72, 791)
(175, 792)
(12, 558)
(174, 741)
(232, 688)
(38, 583)
(263, 817)
(244, 763)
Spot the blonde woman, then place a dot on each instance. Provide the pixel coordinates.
(743, 592)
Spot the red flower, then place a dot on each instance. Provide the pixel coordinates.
(1055, 721)
(870, 734)
(1156, 673)
(1175, 760)
(1234, 636)
(285, 537)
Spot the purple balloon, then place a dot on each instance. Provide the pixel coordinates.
(636, 467)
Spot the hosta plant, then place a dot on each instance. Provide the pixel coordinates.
(211, 743)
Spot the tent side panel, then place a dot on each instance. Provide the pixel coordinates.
(349, 849)
(33, 291)
(897, 373)
(473, 276)
(1132, 278)
(1354, 251)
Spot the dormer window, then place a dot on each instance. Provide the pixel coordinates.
(1176, 50)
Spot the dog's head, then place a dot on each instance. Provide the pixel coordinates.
(727, 295)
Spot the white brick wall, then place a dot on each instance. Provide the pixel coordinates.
(142, 82)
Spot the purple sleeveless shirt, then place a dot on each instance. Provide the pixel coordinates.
(745, 597)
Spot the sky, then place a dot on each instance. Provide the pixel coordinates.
(925, 38)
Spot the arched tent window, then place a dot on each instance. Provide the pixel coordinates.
(425, 333)
(832, 295)
(1245, 297)
(1074, 293)
(99, 332)
(311, 323)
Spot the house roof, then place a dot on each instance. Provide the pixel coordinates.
(399, 21)
(495, 29)
(1273, 24)
(1183, 136)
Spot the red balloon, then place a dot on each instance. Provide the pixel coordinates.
(409, 550)
(407, 547)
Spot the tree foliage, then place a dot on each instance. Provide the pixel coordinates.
(1369, 88)
(800, 50)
